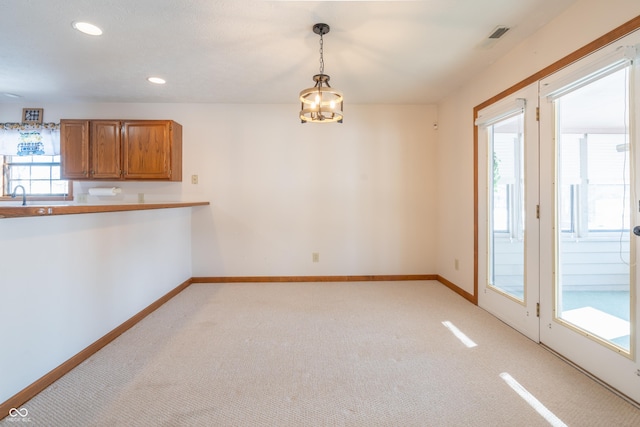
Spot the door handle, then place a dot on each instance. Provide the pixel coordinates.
(636, 230)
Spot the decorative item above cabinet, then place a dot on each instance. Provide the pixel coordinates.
(138, 150)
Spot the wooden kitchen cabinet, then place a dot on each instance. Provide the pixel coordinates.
(150, 148)
(74, 149)
(121, 149)
(105, 148)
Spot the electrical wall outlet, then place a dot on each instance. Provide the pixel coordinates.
(315, 257)
(194, 179)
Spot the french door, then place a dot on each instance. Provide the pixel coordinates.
(508, 254)
(558, 202)
(588, 116)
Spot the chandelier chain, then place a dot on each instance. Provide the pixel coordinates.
(321, 54)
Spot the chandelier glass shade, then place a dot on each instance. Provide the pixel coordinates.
(321, 103)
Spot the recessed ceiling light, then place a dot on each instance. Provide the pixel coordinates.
(87, 28)
(156, 80)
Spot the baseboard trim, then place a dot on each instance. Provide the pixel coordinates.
(455, 288)
(39, 385)
(278, 279)
(355, 278)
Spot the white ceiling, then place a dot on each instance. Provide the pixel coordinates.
(254, 51)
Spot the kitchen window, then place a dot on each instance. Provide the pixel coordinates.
(38, 174)
(30, 157)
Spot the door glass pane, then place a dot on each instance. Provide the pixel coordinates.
(506, 207)
(593, 277)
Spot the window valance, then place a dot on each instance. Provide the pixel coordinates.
(500, 111)
(555, 87)
(24, 139)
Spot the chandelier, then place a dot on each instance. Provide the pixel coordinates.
(321, 103)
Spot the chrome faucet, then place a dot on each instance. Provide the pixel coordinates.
(24, 194)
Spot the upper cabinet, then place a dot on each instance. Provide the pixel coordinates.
(149, 148)
(121, 149)
(105, 147)
(74, 149)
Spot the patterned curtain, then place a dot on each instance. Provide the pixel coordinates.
(24, 139)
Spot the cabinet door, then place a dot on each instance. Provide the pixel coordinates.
(74, 149)
(147, 149)
(106, 159)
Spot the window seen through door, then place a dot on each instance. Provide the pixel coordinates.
(507, 205)
(594, 280)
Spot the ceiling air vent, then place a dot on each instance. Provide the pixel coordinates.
(498, 32)
(492, 39)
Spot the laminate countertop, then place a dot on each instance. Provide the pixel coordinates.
(18, 211)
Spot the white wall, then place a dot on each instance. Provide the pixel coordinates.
(584, 22)
(66, 281)
(361, 193)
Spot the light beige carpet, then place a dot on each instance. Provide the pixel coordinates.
(322, 354)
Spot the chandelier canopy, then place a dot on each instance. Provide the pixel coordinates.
(321, 103)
